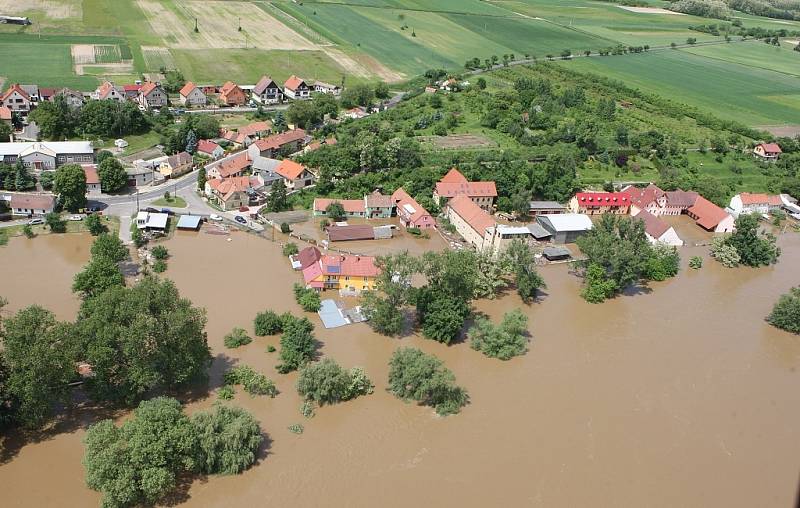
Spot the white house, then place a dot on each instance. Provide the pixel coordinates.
(192, 95)
(767, 151)
(108, 91)
(47, 155)
(754, 203)
(31, 204)
(151, 95)
(296, 88)
(327, 88)
(267, 91)
(17, 100)
(657, 230)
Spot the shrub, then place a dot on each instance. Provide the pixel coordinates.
(253, 382)
(237, 337)
(290, 249)
(696, 262)
(285, 229)
(295, 428)
(160, 252)
(417, 376)
(271, 349)
(227, 440)
(298, 344)
(724, 253)
(307, 298)
(503, 341)
(54, 222)
(326, 382)
(159, 266)
(268, 323)
(95, 225)
(226, 392)
(27, 230)
(786, 312)
(324, 223)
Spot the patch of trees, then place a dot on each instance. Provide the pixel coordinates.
(414, 375)
(780, 9)
(306, 114)
(112, 175)
(747, 245)
(503, 341)
(16, 177)
(326, 382)
(252, 382)
(786, 312)
(307, 298)
(703, 8)
(298, 345)
(100, 119)
(183, 137)
(102, 272)
(140, 462)
(619, 255)
(69, 184)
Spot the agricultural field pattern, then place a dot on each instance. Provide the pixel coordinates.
(79, 43)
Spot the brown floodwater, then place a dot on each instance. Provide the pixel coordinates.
(682, 396)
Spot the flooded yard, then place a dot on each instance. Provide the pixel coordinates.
(679, 396)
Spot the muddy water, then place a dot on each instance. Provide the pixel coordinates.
(682, 396)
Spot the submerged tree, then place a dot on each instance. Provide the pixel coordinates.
(424, 378)
(504, 341)
(786, 312)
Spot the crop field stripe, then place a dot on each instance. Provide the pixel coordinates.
(501, 13)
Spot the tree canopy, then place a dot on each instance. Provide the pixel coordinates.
(786, 312)
(504, 341)
(753, 247)
(417, 376)
(70, 185)
(112, 175)
(326, 382)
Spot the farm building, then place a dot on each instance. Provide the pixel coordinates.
(455, 184)
(189, 222)
(192, 95)
(296, 88)
(472, 222)
(350, 232)
(539, 233)
(47, 155)
(566, 227)
(545, 207)
(267, 91)
(411, 213)
(595, 203)
(658, 231)
(378, 205)
(710, 217)
(767, 151)
(754, 203)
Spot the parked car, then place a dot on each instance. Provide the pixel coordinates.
(215, 217)
(120, 143)
(76, 218)
(34, 222)
(240, 219)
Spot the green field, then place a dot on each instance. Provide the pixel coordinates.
(738, 92)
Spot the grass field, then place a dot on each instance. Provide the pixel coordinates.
(738, 92)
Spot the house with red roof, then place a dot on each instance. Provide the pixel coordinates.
(92, 179)
(17, 100)
(747, 202)
(710, 217)
(657, 230)
(455, 184)
(352, 207)
(351, 274)
(192, 95)
(305, 258)
(32, 204)
(151, 95)
(228, 167)
(659, 202)
(295, 175)
(131, 92)
(210, 149)
(231, 95)
(108, 92)
(234, 192)
(317, 144)
(767, 151)
(470, 220)
(596, 203)
(267, 91)
(5, 115)
(296, 88)
(411, 213)
(287, 142)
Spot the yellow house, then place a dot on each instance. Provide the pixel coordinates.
(340, 272)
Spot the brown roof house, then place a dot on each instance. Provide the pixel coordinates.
(267, 91)
(176, 165)
(192, 95)
(234, 192)
(32, 204)
(296, 88)
(287, 142)
(92, 179)
(151, 95)
(455, 184)
(767, 151)
(294, 174)
(231, 95)
(234, 166)
(710, 217)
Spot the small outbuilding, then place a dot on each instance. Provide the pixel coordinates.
(189, 222)
(350, 232)
(566, 227)
(152, 221)
(556, 253)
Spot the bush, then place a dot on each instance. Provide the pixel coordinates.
(504, 341)
(160, 266)
(307, 298)
(54, 222)
(160, 252)
(226, 392)
(237, 337)
(95, 225)
(253, 382)
(285, 229)
(417, 376)
(324, 223)
(227, 440)
(290, 249)
(298, 344)
(326, 382)
(271, 349)
(724, 253)
(268, 323)
(27, 230)
(786, 312)
(295, 428)
(696, 262)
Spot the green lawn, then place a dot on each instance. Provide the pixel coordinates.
(53, 65)
(754, 54)
(737, 92)
(172, 202)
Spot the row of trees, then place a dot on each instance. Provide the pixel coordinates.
(747, 245)
(57, 120)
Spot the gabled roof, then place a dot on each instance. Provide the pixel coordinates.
(351, 232)
(353, 266)
(276, 141)
(16, 88)
(228, 87)
(293, 83)
(264, 83)
(90, 170)
(349, 205)
(643, 197)
(408, 206)
(681, 198)
(472, 214)
(234, 165)
(290, 169)
(106, 88)
(32, 201)
(187, 89)
(308, 256)
(654, 226)
(206, 146)
(771, 147)
(378, 200)
(255, 128)
(179, 159)
(46, 93)
(565, 222)
(148, 88)
(760, 199)
(453, 176)
(227, 187)
(603, 198)
(131, 88)
(708, 214)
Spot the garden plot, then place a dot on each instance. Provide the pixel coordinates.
(99, 59)
(157, 57)
(52, 9)
(218, 26)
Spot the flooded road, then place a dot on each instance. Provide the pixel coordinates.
(682, 396)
